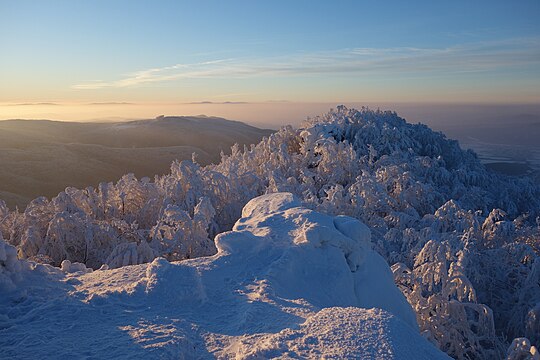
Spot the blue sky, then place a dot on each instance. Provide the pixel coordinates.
(256, 51)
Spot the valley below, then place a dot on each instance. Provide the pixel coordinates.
(43, 157)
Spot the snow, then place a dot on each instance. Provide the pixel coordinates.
(319, 337)
(463, 241)
(69, 267)
(521, 349)
(287, 282)
(10, 266)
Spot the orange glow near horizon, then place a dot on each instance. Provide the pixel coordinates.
(264, 114)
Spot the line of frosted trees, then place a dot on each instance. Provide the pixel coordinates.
(464, 242)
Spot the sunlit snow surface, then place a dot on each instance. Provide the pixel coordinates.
(287, 282)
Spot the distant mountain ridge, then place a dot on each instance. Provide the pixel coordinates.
(43, 157)
(158, 132)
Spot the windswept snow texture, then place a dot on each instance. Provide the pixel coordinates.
(287, 282)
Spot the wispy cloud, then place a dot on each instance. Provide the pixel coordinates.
(111, 103)
(474, 57)
(229, 95)
(34, 104)
(218, 103)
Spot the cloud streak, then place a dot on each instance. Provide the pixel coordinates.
(111, 103)
(34, 104)
(218, 103)
(474, 57)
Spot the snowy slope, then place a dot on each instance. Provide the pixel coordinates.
(287, 282)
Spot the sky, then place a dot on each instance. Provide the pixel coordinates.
(92, 59)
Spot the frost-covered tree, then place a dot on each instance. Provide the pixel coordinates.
(177, 236)
(465, 241)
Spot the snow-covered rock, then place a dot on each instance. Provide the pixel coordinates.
(287, 282)
(69, 267)
(303, 254)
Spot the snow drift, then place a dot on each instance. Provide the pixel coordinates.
(286, 282)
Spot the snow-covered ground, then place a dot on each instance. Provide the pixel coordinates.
(286, 282)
